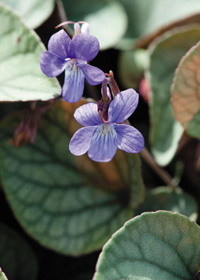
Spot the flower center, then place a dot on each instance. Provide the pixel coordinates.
(71, 63)
(74, 64)
(105, 129)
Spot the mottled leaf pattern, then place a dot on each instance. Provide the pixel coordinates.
(154, 245)
(69, 204)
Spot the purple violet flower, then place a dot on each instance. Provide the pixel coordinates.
(101, 138)
(71, 56)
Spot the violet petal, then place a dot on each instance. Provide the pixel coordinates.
(74, 83)
(93, 75)
(80, 142)
(83, 46)
(123, 105)
(87, 115)
(129, 138)
(51, 65)
(58, 44)
(103, 145)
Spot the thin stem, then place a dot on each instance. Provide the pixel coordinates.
(161, 173)
(101, 116)
(64, 23)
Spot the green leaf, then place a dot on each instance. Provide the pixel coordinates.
(165, 53)
(69, 204)
(107, 19)
(147, 18)
(16, 258)
(20, 49)
(185, 96)
(166, 198)
(160, 245)
(2, 275)
(131, 67)
(33, 12)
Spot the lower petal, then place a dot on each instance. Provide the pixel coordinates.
(73, 84)
(129, 138)
(80, 141)
(93, 75)
(103, 145)
(51, 65)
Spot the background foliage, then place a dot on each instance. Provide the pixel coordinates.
(58, 211)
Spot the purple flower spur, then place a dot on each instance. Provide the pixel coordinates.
(71, 56)
(100, 137)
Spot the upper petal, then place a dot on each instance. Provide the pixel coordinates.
(123, 105)
(51, 65)
(93, 75)
(129, 138)
(58, 44)
(83, 46)
(103, 145)
(87, 115)
(80, 142)
(74, 83)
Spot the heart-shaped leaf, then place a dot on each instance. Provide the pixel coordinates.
(185, 96)
(107, 19)
(20, 48)
(33, 12)
(166, 198)
(69, 204)
(147, 19)
(2, 275)
(16, 258)
(165, 54)
(160, 245)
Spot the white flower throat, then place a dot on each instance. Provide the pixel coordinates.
(107, 129)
